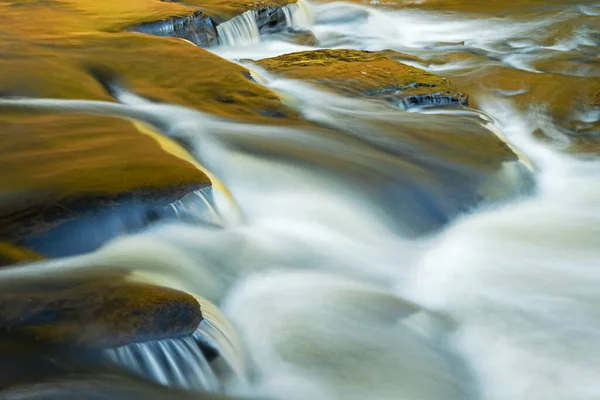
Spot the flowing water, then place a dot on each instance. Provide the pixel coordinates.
(347, 262)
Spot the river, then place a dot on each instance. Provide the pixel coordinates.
(343, 261)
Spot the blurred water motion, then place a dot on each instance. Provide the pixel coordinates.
(330, 200)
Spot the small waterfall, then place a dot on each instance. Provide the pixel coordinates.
(297, 14)
(171, 362)
(241, 30)
(199, 206)
(246, 28)
(216, 332)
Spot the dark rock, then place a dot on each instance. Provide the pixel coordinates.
(197, 28)
(270, 18)
(99, 386)
(432, 100)
(201, 29)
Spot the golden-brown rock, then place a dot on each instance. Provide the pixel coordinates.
(164, 69)
(363, 73)
(51, 164)
(100, 314)
(11, 254)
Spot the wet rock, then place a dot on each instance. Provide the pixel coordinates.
(197, 28)
(200, 27)
(99, 386)
(11, 254)
(59, 166)
(101, 314)
(57, 18)
(371, 74)
(162, 69)
(56, 167)
(54, 233)
(32, 370)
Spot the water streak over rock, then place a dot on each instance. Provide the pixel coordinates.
(362, 73)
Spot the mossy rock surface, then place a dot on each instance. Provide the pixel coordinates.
(362, 73)
(39, 18)
(101, 314)
(53, 163)
(163, 69)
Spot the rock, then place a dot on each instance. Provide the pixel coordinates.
(54, 19)
(99, 386)
(58, 166)
(371, 74)
(197, 28)
(11, 254)
(101, 314)
(162, 69)
(55, 166)
(40, 371)
(200, 27)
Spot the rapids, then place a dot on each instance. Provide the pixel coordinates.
(334, 275)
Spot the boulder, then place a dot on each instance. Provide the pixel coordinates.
(101, 314)
(371, 74)
(162, 69)
(196, 27)
(55, 166)
(56, 18)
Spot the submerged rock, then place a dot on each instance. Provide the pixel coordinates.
(371, 74)
(101, 314)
